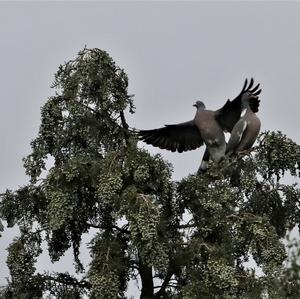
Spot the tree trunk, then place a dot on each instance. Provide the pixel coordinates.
(147, 280)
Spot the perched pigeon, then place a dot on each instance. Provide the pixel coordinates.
(245, 131)
(206, 127)
(243, 136)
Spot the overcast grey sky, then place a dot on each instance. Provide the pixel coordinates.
(173, 52)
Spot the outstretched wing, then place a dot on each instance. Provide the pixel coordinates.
(180, 137)
(230, 113)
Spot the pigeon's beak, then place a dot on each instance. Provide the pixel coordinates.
(195, 105)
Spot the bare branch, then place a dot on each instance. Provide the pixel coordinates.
(120, 229)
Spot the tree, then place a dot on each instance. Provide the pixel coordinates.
(101, 179)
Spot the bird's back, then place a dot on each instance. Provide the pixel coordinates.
(210, 130)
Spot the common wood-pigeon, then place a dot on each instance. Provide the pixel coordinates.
(245, 131)
(243, 136)
(230, 114)
(190, 135)
(206, 127)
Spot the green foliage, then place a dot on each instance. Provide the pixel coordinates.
(274, 149)
(101, 179)
(108, 273)
(22, 255)
(289, 281)
(144, 220)
(23, 206)
(84, 115)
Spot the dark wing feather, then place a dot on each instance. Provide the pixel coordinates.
(230, 113)
(180, 137)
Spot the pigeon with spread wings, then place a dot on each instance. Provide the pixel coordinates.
(206, 128)
(190, 135)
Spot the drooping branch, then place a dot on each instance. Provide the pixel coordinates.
(125, 126)
(67, 280)
(120, 229)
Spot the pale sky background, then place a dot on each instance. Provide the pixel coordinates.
(174, 54)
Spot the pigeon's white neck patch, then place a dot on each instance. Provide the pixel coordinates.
(243, 112)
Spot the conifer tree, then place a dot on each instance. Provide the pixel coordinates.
(101, 178)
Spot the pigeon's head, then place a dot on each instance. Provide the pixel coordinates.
(199, 104)
(248, 99)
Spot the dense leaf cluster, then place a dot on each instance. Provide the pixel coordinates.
(187, 239)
